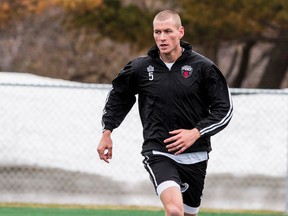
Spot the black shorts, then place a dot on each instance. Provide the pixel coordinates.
(164, 172)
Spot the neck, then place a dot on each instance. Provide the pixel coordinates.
(172, 56)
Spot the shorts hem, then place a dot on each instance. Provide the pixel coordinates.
(166, 184)
(190, 210)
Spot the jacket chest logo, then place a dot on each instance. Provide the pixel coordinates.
(150, 70)
(186, 71)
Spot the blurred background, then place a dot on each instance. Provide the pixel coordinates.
(57, 60)
(89, 40)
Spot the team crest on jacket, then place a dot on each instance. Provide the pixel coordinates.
(186, 71)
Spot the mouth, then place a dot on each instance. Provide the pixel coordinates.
(163, 46)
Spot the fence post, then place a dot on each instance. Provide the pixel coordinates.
(286, 194)
(286, 209)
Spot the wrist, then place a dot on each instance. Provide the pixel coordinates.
(197, 132)
(106, 132)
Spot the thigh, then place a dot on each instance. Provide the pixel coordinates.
(192, 177)
(162, 171)
(172, 201)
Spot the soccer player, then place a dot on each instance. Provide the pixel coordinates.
(183, 100)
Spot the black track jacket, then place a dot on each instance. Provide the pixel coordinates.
(193, 94)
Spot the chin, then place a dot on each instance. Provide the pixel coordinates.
(165, 52)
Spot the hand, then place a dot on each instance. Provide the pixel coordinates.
(105, 146)
(181, 140)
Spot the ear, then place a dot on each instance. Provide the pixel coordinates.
(181, 32)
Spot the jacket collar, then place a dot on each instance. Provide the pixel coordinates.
(154, 51)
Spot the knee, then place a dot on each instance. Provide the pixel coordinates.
(172, 210)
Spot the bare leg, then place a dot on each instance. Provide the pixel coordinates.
(172, 201)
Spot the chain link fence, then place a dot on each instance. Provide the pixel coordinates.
(50, 129)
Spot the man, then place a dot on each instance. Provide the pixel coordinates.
(183, 100)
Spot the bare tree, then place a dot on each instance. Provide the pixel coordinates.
(277, 66)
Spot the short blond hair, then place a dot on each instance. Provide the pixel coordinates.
(166, 14)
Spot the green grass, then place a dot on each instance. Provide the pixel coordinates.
(23, 211)
(57, 211)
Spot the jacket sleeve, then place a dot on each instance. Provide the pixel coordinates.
(218, 100)
(120, 99)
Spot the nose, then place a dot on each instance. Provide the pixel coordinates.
(162, 36)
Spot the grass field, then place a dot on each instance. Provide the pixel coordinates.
(58, 211)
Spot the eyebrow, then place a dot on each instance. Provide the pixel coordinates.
(166, 29)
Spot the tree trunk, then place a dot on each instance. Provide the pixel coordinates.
(233, 64)
(238, 80)
(277, 66)
(210, 51)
